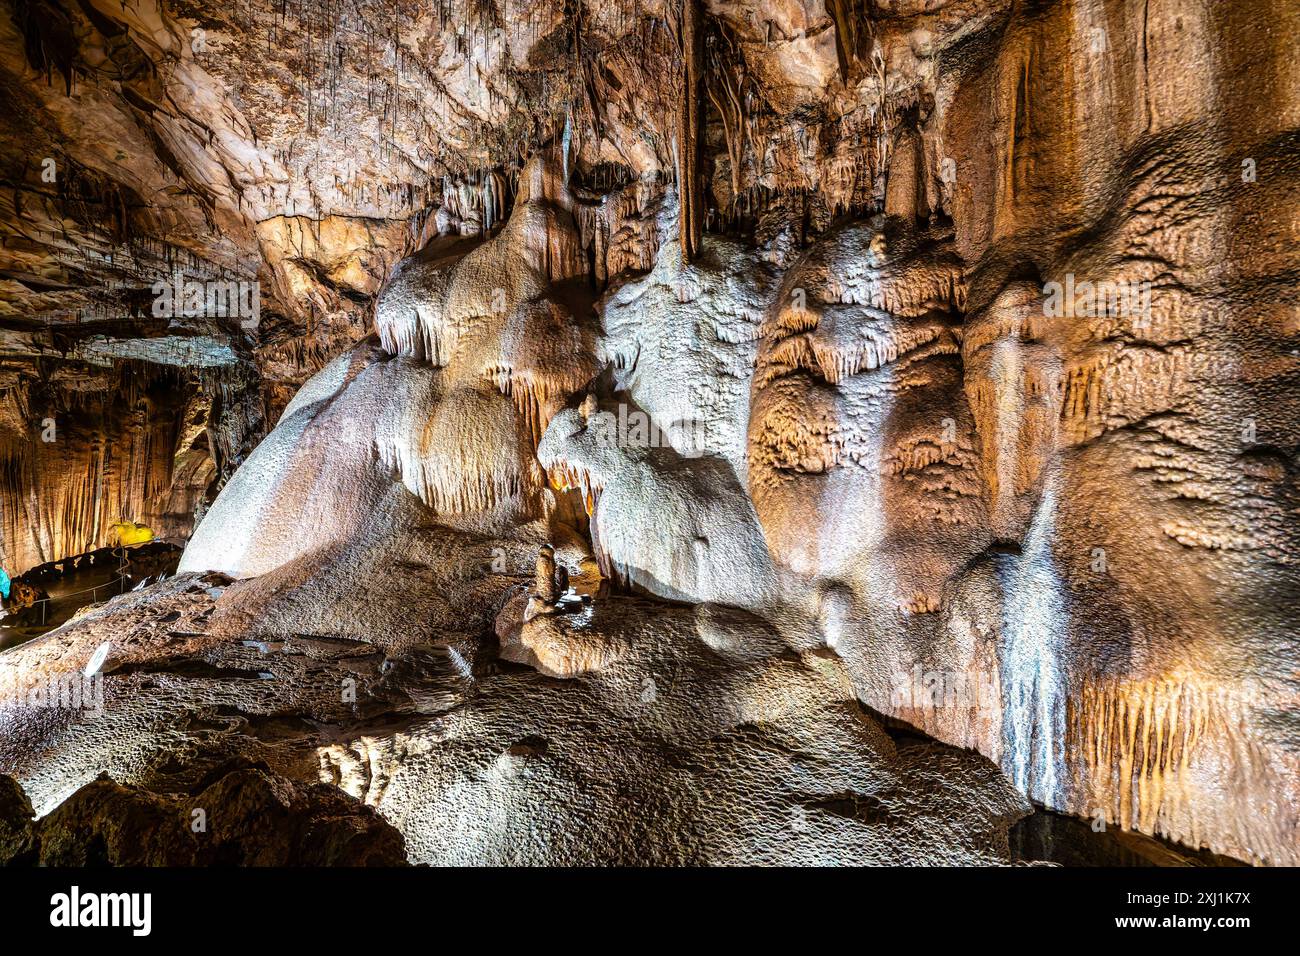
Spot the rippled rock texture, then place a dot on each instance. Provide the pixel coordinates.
(923, 363)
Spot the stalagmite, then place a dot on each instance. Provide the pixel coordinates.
(547, 587)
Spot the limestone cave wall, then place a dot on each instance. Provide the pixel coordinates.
(953, 340)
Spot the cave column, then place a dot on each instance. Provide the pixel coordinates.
(690, 186)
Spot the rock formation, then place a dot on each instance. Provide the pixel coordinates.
(240, 817)
(643, 405)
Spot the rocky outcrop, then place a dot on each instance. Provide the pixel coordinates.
(706, 739)
(237, 817)
(476, 351)
(18, 837)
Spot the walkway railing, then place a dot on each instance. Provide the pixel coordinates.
(93, 592)
(117, 582)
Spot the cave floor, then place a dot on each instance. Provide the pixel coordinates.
(687, 737)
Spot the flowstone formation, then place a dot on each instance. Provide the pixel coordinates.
(673, 411)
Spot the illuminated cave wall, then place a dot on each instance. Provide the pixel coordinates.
(859, 293)
(84, 453)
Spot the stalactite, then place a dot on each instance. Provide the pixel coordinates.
(726, 91)
(111, 459)
(564, 476)
(845, 14)
(690, 181)
(1138, 743)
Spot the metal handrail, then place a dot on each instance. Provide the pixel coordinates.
(50, 600)
(91, 591)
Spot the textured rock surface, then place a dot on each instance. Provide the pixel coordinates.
(238, 817)
(81, 454)
(932, 358)
(698, 737)
(18, 839)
